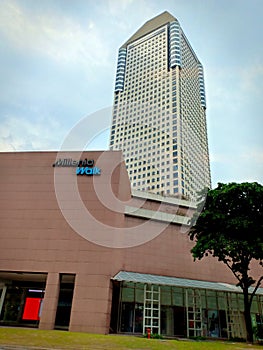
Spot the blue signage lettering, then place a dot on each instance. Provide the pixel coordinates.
(88, 171)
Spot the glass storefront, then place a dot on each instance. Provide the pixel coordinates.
(131, 309)
(180, 311)
(21, 304)
(22, 298)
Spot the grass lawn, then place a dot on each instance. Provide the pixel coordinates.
(80, 341)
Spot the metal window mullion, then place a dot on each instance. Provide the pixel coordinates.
(120, 308)
(151, 320)
(187, 315)
(200, 310)
(228, 306)
(144, 308)
(2, 298)
(134, 298)
(240, 328)
(159, 309)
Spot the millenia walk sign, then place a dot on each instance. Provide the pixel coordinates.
(83, 167)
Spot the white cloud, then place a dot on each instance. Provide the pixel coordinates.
(128, 16)
(244, 165)
(252, 77)
(250, 154)
(19, 133)
(117, 7)
(50, 34)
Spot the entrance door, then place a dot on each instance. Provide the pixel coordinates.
(180, 321)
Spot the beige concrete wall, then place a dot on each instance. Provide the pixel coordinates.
(48, 315)
(35, 237)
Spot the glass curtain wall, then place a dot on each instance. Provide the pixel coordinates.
(131, 308)
(181, 312)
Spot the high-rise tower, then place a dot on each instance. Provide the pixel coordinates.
(159, 112)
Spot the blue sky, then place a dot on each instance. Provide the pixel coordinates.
(58, 63)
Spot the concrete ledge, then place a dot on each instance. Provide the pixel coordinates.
(159, 198)
(157, 215)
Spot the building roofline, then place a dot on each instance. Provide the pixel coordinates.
(137, 277)
(61, 151)
(151, 25)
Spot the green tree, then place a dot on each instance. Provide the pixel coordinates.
(229, 226)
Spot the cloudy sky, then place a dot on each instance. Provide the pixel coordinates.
(58, 62)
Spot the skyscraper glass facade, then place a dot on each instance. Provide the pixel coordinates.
(159, 112)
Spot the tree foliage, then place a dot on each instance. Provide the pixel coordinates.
(229, 226)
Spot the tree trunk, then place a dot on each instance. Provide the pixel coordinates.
(247, 315)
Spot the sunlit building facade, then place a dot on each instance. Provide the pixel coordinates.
(159, 112)
(62, 266)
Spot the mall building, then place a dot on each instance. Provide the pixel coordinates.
(79, 251)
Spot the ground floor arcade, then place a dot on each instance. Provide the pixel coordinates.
(178, 307)
(169, 306)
